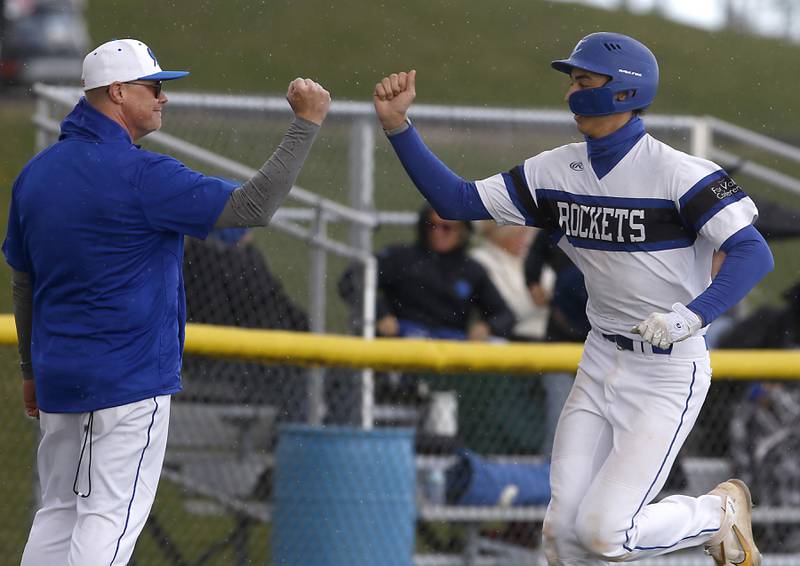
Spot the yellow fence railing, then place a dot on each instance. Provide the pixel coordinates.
(302, 348)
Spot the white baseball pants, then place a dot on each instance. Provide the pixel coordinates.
(622, 426)
(116, 478)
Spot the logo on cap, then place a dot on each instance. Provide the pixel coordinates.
(152, 56)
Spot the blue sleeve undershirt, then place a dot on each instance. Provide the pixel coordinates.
(452, 197)
(748, 259)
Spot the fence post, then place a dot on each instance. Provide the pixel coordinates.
(42, 112)
(317, 302)
(362, 190)
(702, 136)
(367, 375)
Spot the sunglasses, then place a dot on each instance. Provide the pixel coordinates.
(157, 86)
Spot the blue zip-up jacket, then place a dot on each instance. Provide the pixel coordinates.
(98, 224)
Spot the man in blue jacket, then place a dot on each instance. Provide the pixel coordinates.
(95, 240)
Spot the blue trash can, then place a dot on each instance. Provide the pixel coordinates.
(343, 496)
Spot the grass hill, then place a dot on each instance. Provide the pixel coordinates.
(466, 51)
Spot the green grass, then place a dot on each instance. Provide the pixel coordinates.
(192, 535)
(17, 443)
(466, 52)
(17, 449)
(16, 147)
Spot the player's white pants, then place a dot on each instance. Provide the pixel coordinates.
(127, 452)
(621, 428)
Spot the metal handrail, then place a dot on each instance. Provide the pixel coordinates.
(356, 109)
(245, 172)
(754, 138)
(767, 174)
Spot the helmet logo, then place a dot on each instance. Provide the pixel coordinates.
(576, 165)
(627, 72)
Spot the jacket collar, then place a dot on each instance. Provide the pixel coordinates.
(85, 122)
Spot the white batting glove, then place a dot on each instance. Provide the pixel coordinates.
(663, 329)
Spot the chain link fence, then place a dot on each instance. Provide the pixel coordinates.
(216, 501)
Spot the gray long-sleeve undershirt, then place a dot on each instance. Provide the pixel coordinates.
(23, 318)
(252, 204)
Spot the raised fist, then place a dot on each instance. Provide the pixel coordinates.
(392, 98)
(308, 100)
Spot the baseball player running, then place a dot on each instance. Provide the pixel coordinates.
(642, 222)
(95, 240)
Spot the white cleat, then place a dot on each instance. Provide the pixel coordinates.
(733, 544)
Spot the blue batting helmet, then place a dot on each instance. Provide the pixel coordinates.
(630, 64)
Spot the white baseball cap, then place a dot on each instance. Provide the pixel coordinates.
(123, 60)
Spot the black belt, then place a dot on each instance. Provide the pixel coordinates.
(624, 343)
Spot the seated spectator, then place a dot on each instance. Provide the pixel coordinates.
(502, 253)
(567, 321)
(228, 282)
(764, 442)
(432, 288)
(769, 326)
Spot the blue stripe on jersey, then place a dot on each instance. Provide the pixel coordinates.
(610, 202)
(701, 221)
(512, 194)
(555, 235)
(630, 246)
(616, 224)
(700, 185)
(707, 197)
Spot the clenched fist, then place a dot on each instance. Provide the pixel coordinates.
(308, 100)
(392, 98)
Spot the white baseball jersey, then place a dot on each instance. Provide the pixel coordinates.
(643, 235)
